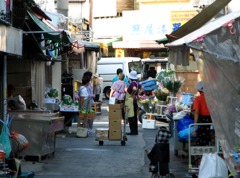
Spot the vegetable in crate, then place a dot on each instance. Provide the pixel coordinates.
(67, 99)
(53, 93)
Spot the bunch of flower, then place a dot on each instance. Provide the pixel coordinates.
(161, 93)
(176, 107)
(148, 104)
(168, 80)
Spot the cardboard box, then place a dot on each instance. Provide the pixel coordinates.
(101, 134)
(114, 106)
(115, 124)
(148, 124)
(115, 115)
(115, 135)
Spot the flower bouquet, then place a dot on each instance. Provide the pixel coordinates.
(176, 107)
(161, 94)
(148, 104)
(168, 80)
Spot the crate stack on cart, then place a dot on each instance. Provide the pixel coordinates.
(115, 132)
(115, 122)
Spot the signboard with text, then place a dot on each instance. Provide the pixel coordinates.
(140, 25)
(178, 18)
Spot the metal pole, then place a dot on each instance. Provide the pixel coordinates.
(31, 32)
(4, 87)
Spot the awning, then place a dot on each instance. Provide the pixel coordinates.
(90, 46)
(57, 37)
(54, 39)
(107, 41)
(151, 44)
(206, 29)
(196, 22)
(179, 49)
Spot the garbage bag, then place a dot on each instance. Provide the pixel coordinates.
(212, 166)
(183, 134)
(184, 123)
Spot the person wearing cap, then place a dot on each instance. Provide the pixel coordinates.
(120, 71)
(201, 115)
(131, 102)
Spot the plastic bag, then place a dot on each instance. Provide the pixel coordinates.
(183, 134)
(184, 123)
(179, 115)
(212, 166)
(21, 140)
(82, 132)
(149, 85)
(112, 100)
(5, 139)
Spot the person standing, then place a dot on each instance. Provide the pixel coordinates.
(96, 88)
(118, 91)
(201, 115)
(84, 96)
(120, 71)
(131, 102)
(91, 96)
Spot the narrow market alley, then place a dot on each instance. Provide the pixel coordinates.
(83, 157)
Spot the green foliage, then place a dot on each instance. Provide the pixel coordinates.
(53, 93)
(67, 99)
(172, 86)
(168, 81)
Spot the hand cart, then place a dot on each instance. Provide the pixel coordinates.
(162, 154)
(199, 150)
(103, 133)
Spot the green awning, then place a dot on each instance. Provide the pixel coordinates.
(107, 41)
(56, 37)
(90, 45)
(162, 41)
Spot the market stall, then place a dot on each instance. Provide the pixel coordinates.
(216, 48)
(40, 129)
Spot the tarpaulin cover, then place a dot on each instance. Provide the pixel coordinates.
(218, 56)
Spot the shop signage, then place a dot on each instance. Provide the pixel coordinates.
(178, 18)
(140, 25)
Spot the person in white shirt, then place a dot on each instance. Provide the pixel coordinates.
(85, 99)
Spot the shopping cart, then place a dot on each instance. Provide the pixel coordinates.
(160, 168)
(196, 151)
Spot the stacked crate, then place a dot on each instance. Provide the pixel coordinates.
(115, 119)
